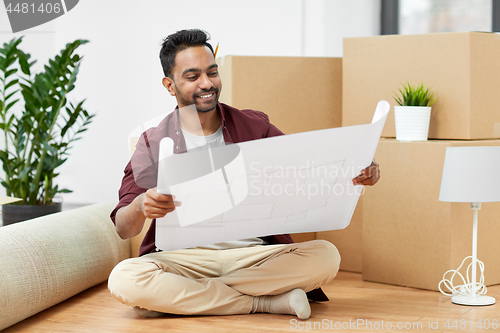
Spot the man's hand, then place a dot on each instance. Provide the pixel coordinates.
(151, 204)
(369, 176)
(156, 205)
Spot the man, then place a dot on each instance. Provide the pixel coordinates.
(268, 274)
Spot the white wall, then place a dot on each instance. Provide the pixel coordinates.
(120, 76)
(328, 22)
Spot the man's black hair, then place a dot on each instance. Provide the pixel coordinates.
(179, 41)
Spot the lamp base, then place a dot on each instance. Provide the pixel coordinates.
(469, 300)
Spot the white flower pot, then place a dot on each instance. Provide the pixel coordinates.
(412, 122)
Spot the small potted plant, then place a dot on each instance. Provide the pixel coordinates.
(38, 134)
(413, 113)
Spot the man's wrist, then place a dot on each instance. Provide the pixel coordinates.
(138, 205)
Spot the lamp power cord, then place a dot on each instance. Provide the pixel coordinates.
(466, 288)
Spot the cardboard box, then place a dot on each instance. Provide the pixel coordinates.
(298, 93)
(463, 69)
(349, 241)
(410, 238)
(303, 237)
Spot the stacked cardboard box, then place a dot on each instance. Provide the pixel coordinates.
(461, 68)
(410, 238)
(298, 94)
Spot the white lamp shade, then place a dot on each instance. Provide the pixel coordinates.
(471, 174)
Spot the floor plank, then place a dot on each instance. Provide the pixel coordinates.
(355, 305)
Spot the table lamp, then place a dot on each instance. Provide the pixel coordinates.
(470, 174)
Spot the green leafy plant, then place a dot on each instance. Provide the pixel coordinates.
(414, 95)
(38, 135)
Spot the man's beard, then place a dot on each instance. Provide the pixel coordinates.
(202, 108)
(207, 107)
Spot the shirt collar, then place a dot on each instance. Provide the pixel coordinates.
(177, 121)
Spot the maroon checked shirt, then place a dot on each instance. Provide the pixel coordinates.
(237, 126)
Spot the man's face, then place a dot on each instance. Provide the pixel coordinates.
(196, 79)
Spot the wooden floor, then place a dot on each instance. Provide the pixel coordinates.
(355, 305)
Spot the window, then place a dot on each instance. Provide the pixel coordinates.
(427, 16)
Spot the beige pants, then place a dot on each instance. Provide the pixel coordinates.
(221, 282)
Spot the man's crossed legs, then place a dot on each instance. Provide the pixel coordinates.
(264, 278)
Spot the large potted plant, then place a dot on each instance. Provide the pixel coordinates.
(413, 114)
(38, 134)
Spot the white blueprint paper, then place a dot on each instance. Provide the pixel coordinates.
(287, 184)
